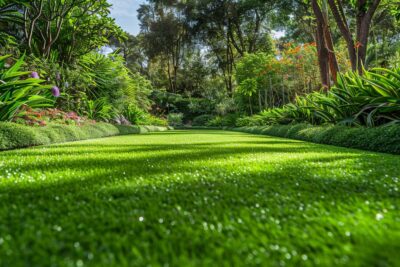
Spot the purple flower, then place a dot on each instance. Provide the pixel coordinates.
(58, 76)
(55, 91)
(35, 75)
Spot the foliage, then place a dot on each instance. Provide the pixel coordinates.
(223, 121)
(153, 120)
(190, 107)
(380, 139)
(13, 135)
(175, 119)
(99, 109)
(202, 120)
(134, 114)
(8, 16)
(224, 192)
(43, 117)
(16, 92)
(268, 81)
(370, 100)
(69, 28)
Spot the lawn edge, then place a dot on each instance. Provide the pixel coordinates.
(15, 136)
(379, 139)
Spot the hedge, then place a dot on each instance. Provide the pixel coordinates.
(380, 139)
(14, 135)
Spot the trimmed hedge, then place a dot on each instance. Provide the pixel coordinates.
(379, 139)
(14, 135)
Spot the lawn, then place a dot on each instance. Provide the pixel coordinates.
(198, 198)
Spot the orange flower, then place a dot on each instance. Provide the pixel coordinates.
(358, 45)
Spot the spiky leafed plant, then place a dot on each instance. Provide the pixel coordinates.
(369, 100)
(16, 92)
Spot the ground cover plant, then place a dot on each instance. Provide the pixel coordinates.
(198, 198)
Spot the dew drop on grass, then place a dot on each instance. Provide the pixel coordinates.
(379, 216)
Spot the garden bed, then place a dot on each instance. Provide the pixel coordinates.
(13, 135)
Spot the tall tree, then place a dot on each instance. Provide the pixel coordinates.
(363, 11)
(231, 29)
(326, 51)
(165, 35)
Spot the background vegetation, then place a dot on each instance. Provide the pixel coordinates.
(315, 61)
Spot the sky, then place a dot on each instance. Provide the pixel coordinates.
(124, 12)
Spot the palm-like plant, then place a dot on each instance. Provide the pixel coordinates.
(370, 100)
(99, 109)
(9, 14)
(16, 92)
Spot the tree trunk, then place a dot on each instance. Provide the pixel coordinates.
(326, 55)
(357, 50)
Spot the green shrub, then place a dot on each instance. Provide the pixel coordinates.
(125, 129)
(153, 120)
(381, 139)
(369, 100)
(134, 114)
(14, 135)
(225, 121)
(175, 119)
(202, 120)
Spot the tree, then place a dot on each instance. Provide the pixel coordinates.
(252, 77)
(363, 11)
(165, 35)
(43, 22)
(74, 27)
(87, 27)
(326, 53)
(231, 29)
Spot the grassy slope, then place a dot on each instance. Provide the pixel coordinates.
(198, 198)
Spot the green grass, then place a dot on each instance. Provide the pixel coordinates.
(198, 198)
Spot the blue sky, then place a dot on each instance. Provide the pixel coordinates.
(124, 12)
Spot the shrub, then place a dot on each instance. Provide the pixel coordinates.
(14, 135)
(202, 120)
(153, 120)
(99, 109)
(175, 119)
(226, 121)
(380, 139)
(134, 114)
(369, 100)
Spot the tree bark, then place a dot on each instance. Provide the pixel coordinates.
(323, 54)
(357, 49)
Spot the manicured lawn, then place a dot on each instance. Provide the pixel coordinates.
(198, 198)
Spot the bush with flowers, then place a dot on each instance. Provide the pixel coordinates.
(43, 117)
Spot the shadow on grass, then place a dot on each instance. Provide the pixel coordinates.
(181, 158)
(134, 184)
